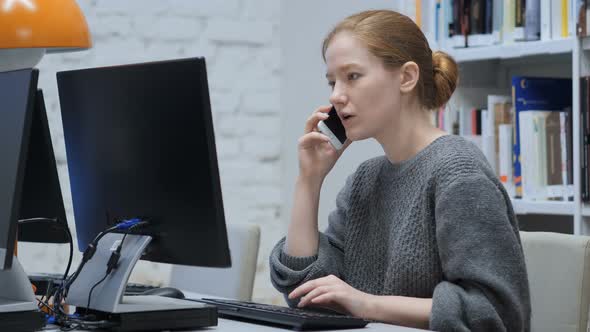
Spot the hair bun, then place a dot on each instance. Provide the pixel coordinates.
(446, 77)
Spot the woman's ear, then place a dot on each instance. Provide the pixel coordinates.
(410, 73)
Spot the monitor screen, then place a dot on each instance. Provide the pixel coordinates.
(140, 144)
(17, 95)
(41, 192)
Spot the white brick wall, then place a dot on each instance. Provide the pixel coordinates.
(240, 40)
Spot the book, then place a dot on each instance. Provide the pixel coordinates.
(566, 154)
(535, 94)
(545, 20)
(584, 104)
(556, 186)
(505, 157)
(580, 6)
(533, 161)
(519, 17)
(499, 107)
(532, 21)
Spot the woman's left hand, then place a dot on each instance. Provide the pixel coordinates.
(333, 293)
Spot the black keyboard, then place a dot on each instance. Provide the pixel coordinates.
(45, 282)
(137, 289)
(298, 319)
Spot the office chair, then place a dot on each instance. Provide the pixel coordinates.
(235, 282)
(558, 267)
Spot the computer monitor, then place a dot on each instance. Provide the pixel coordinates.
(17, 99)
(140, 144)
(41, 196)
(18, 309)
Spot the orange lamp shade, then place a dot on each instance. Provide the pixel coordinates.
(56, 25)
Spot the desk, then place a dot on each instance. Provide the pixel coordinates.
(228, 325)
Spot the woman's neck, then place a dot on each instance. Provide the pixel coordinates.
(411, 132)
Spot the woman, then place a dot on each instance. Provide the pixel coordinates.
(424, 236)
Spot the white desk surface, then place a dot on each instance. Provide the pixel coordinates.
(228, 325)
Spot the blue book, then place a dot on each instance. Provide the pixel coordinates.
(536, 94)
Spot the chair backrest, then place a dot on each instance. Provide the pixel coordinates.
(235, 282)
(558, 267)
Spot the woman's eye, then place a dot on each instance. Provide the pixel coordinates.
(353, 76)
(331, 84)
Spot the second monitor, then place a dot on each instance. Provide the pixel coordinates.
(139, 142)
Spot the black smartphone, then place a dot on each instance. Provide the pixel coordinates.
(333, 128)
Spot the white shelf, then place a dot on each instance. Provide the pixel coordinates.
(512, 51)
(543, 207)
(586, 210)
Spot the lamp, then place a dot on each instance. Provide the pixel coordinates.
(31, 28)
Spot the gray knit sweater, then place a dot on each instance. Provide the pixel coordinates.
(439, 225)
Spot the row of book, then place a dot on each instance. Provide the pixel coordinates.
(526, 137)
(473, 23)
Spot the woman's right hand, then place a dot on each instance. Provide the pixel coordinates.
(317, 156)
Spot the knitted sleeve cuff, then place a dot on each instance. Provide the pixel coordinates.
(296, 263)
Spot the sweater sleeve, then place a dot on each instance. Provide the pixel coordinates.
(485, 285)
(288, 272)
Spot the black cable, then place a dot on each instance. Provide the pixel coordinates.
(70, 259)
(47, 291)
(45, 304)
(92, 290)
(111, 265)
(62, 318)
(60, 225)
(61, 292)
(88, 253)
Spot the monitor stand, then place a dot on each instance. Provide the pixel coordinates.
(18, 308)
(137, 312)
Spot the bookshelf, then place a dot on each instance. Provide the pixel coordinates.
(546, 208)
(495, 31)
(487, 70)
(512, 51)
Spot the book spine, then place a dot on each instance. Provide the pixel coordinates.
(586, 135)
(505, 157)
(528, 162)
(517, 178)
(564, 161)
(489, 14)
(497, 21)
(584, 139)
(553, 155)
(508, 25)
(545, 20)
(475, 19)
(532, 22)
(564, 18)
(580, 18)
(519, 17)
(570, 153)
(556, 19)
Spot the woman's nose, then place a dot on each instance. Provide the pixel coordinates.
(338, 97)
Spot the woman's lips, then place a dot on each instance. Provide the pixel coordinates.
(347, 119)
